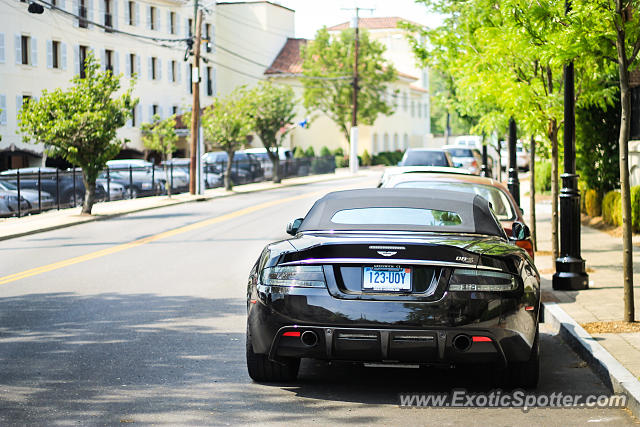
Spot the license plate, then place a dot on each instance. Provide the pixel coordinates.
(394, 279)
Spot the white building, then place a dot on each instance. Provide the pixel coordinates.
(45, 51)
(408, 126)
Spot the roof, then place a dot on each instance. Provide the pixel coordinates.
(373, 23)
(418, 88)
(474, 211)
(288, 60)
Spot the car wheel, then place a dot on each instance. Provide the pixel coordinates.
(261, 369)
(131, 193)
(526, 374)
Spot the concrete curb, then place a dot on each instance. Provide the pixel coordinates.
(615, 376)
(202, 198)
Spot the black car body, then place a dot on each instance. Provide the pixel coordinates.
(245, 168)
(473, 296)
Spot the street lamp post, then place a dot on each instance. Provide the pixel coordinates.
(486, 171)
(513, 183)
(570, 267)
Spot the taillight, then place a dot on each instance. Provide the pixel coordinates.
(298, 276)
(474, 163)
(469, 280)
(527, 245)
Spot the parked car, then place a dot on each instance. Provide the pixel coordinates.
(395, 276)
(61, 183)
(466, 158)
(502, 202)
(245, 168)
(265, 161)
(9, 203)
(399, 170)
(116, 191)
(45, 200)
(148, 178)
(523, 159)
(426, 157)
(140, 183)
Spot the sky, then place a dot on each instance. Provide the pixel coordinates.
(311, 15)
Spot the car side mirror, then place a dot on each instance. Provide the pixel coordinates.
(520, 231)
(293, 226)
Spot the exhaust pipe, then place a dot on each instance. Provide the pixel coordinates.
(309, 338)
(462, 342)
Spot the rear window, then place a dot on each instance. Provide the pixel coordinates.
(396, 216)
(499, 201)
(460, 152)
(425, 158)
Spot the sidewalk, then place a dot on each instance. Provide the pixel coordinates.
(603, 301)
(52, 220)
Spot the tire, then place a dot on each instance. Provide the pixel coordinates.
(526, 374)
(131, 193)
(261, 369)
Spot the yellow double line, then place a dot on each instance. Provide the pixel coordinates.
(118, 248)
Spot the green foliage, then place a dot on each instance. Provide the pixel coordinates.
(612, 208)
(342, 161)
(273, 111)
(597, 148)
(324, 151)
(635, 208)
(160, 135)
(592, 203)
(328, 63)
(79, 124)
(366, 158)
(543, 176)
(338, 152)
(387, 158)
(227, 125)
(309, 152)
(298, 153)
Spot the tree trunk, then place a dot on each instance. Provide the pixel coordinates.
(553, 137)
(532, 193)
(228, 183)
(89, 193)
(625, 196)
(167, 180)
(275, 161)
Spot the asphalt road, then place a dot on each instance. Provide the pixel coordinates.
(142, 319)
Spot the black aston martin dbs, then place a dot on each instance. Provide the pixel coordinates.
(395, 276)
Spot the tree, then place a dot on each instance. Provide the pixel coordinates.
(610, 30)
(273, 111)
(227, 124)
(327, 67)
(160, 135)
(79, 124)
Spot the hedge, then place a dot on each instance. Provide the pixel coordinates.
(635, 208)
(592, 203)
(543, 176)
(612, 208)
(387, 158)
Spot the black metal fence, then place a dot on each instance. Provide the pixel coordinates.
(34, 190)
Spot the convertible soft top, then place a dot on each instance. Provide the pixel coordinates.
(470, 213)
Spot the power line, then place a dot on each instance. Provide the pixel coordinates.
(246, 24)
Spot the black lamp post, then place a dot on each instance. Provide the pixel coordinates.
(570, 269)
(485, 171)
(513, 183)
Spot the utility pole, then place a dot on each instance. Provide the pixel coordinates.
(353, 140)
(195, 109)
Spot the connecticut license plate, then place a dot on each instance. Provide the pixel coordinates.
(389, 279)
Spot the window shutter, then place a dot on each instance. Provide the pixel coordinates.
(214, 81)
(151, 113)
(114, 14)
(138, 114)
(89, 11)
(177, 24)
(75, 11)
(18, 49)
(127, 67)
(179, 76)
(76, 59)
(158, 22)
(150, 69)
(49, 54)
(34, 52)
(138, 66)
(103, 59)
(186, 27)
(127, 17)
(160, 112)
(100, 18)
(61, 5)
(2, 54)
(148, 17)
(137, 17)
(63, 55)
(3, 107)
(212, 36)
(18, 104)
(159, 69)
(168, 21)
(116, 63)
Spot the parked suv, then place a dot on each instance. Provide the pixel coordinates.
(246, 168)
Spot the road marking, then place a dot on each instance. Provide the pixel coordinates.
(165, 234)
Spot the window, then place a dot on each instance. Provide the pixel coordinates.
(154, 68)
(154, 109)
(190, 24)
(172, 71)
(108, 60)
(190, 78)
(174, 110)
(207, 35)
(133, 65)
(108, 17)
(396, 216)
(82, 12)
(172, 22)
(83, 51)
(55, 54)
(134, 119)
(25, 44)
(209, 82)
(152, 18)
(131, 9)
